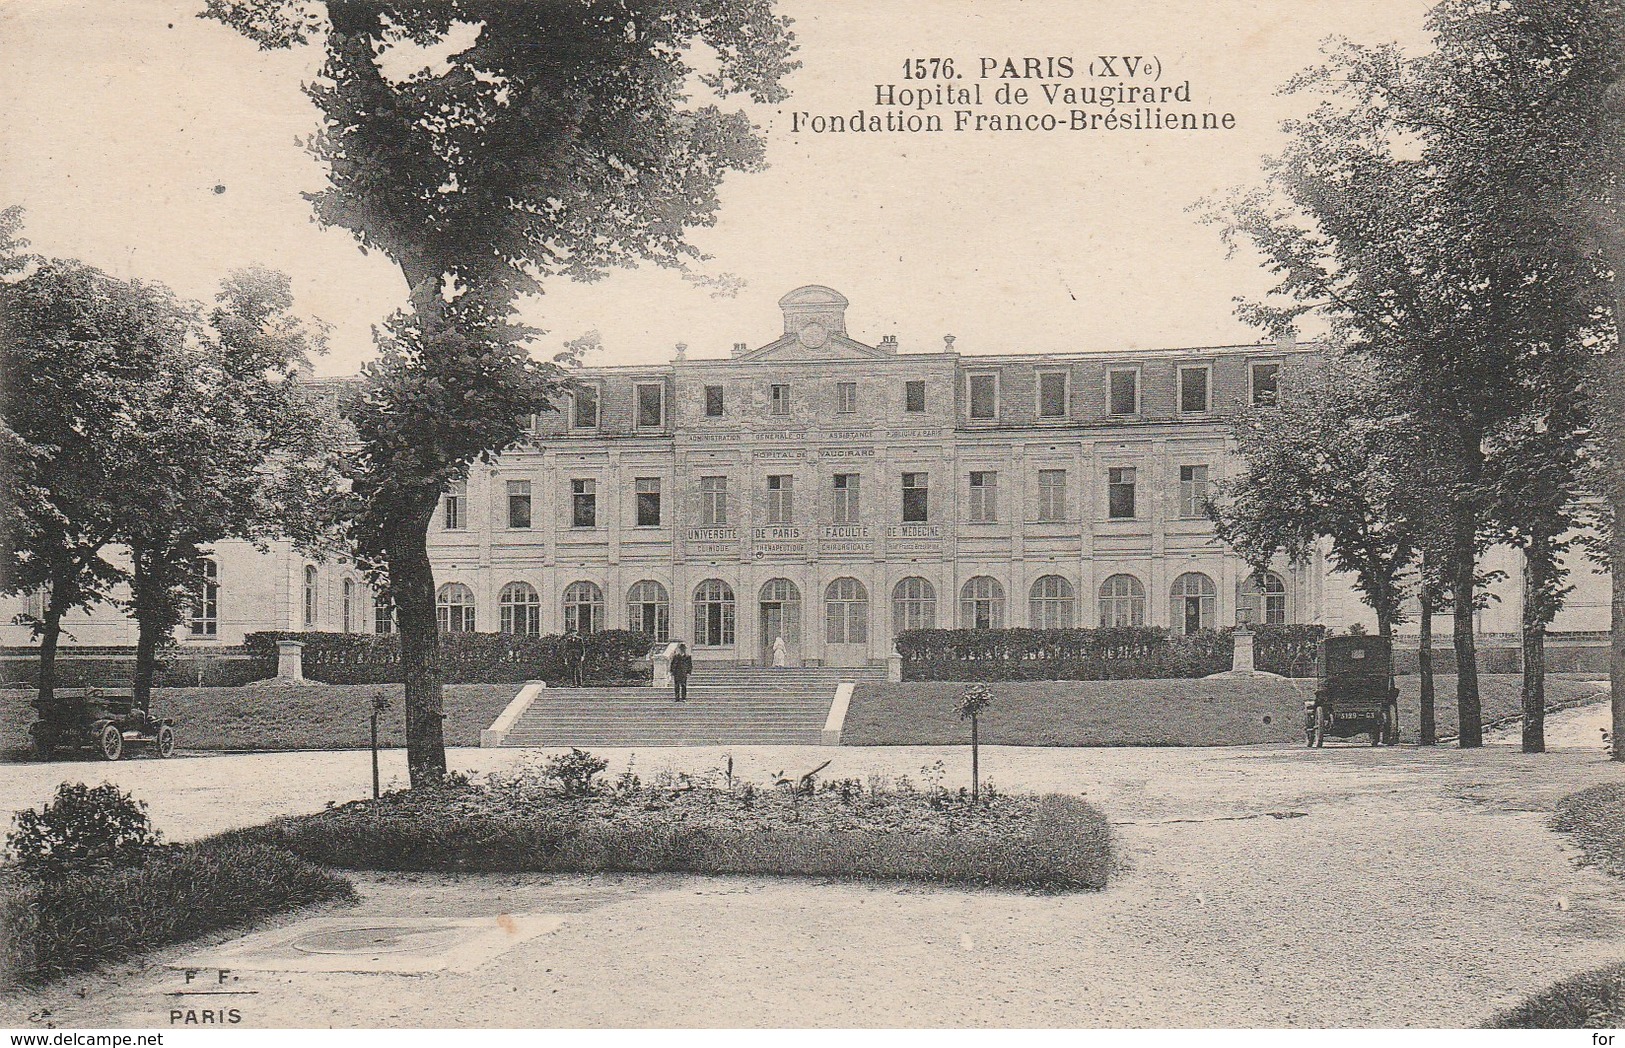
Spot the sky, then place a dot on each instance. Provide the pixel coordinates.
(153, 144)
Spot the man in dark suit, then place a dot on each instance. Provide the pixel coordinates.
(682, 664)
(575, 655)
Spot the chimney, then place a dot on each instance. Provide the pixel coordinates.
(682, 352)
(888, 343)
(741, 348)
(1287, 338)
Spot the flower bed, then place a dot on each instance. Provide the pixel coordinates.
(847, 829)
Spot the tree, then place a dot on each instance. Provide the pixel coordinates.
(973, 702)
(77, 345)
(559, 144)
(1412, 251)
(1538, 90)
(1323, 465)
(230, 446)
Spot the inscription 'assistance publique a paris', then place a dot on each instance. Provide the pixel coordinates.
(1031, 94)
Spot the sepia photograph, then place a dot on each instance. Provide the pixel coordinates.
(791, 515)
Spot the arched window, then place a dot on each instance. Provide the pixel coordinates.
(981, 604)
(1190, 604)
(583, 607)
(383, 615)
(1122, 601)
(648, 610)
(205, 599)
(349, 609)
(713, 614)
(913, 605)
(846, 612)
(780, 604)
(454, 608)
(1262, 598)
(1052, 605)
(520, 608)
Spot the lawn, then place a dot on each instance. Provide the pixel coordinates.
(1202, 712)
(274, 717)
(846, 830)
(1595, 818)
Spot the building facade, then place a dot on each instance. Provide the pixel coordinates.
(832, 492)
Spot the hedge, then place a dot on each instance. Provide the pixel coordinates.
(74, 670)
(1107, 653)
(465, 658)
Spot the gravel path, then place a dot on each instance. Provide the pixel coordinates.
(1263, 886)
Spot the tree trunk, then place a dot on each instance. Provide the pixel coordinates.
(1463, 585)
(411, 585)
(50, 634)
(1427, 728)
(1616, 565)
(148, 626)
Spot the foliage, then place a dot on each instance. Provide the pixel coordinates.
(1106, 653)
(845, 829)
(1596, 819)
(973, 699)
(82, 828)
(52, 926)
(466, 658)
(1325, 464)
(512, 165)
(575, 772)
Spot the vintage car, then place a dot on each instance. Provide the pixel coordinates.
(103, 720)
(1354, 693)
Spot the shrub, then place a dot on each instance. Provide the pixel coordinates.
(574, 772)
(1106, 653)
(515, 824)
(82, 828)
(1592, 1001)
(50, 926)
(465, 658)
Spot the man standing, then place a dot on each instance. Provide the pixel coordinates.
(682, 664)
(575, 654)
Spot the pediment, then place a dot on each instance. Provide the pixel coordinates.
(834, 346)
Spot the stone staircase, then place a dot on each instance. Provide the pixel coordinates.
(732, 706)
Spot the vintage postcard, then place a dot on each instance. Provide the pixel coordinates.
(666, 515)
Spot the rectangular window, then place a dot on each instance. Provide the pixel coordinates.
(1193, 399)
(984, 397)
(1052, 494)
(454, 506)
(1120, 493)
(651, 405)
(383, 616)
(846, 397)
(780, 494)
(846, 498)
(1125, 392)
(778, 398)
(916, 497)
(914, 396)
(518, 503)
(647, 490)
(984, 493)
(1192, 491)
(586, 407)
(714, 501)
(1052, 394)
(713, 401)
(583, 503)
(1266, 384)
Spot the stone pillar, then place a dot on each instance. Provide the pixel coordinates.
(290, 661)
(894, 667)
(1242, 661)
(661, 677)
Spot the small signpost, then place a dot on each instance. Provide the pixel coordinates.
(380, 703)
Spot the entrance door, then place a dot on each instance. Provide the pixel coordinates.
(772, 628)
(780, 616)
(1193, 614)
